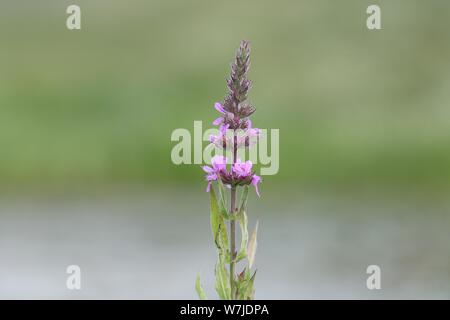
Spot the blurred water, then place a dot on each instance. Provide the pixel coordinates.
(146, 245)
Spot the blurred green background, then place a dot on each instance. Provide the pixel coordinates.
(97, 106)
(86, 118)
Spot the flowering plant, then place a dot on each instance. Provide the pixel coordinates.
(235, 176)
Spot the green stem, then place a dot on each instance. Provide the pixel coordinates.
(233, 227)
(232, 243)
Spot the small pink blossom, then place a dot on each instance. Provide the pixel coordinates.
(244, 137)
(218, 106)
(219, 164)
(224, 117)
(242, 169)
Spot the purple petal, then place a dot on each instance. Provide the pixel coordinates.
(219, 160)
(255, 180)
(219, 163)
(223, 128)
(248, 166)
(207, 169)
(253, 132)
(211, 177)
(219, 107)
(257, 190)
(208, 187)
(217, 121)
(236, 169)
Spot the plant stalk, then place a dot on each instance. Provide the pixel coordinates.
(233, 228)
(232, 243)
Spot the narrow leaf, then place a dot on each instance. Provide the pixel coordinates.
(244, 199)
(223, 237)
(214, 214)
(223, 202)
(245, 285)
(218, 227)
(242, 217)
(250, 291)
(222, 280)
(251, 250)
(199, 289)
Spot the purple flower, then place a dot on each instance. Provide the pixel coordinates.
(244, 137)
(218, 140)
(242, 169)
(248, 136)
(252, 132)
(226, 116)
(242, 172)
(220, 120)
(211, 176)
(234, 115)
(218, 106)
(221, 139)
(219, 164)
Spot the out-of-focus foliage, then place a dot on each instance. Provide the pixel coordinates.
(98, 105)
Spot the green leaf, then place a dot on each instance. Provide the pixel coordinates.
(218, 227)
(222, 280)
(245, 285)
(244, 196)
(242, 217)
(223, 240)
(251, 249)
(249, 291)
(199, 289)
(223, 202)
(214, 214)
